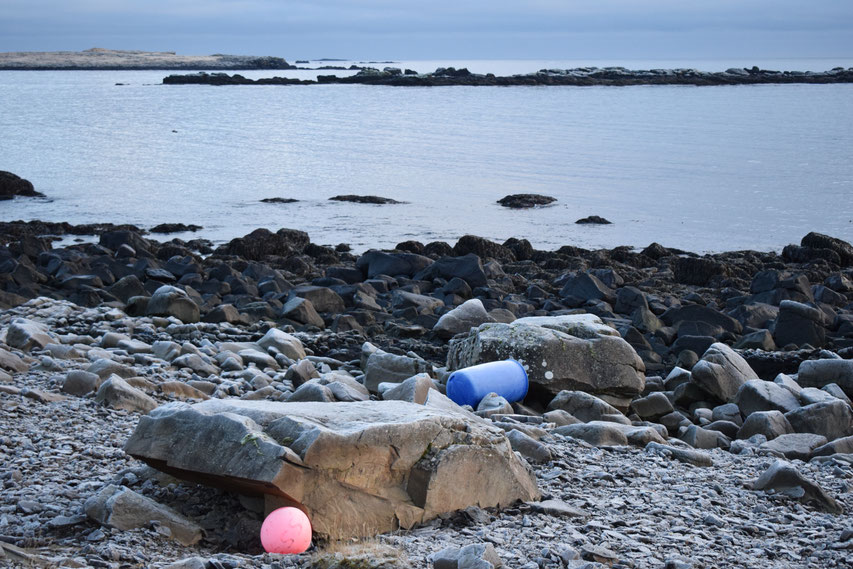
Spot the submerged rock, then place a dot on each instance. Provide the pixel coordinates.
(524, 201)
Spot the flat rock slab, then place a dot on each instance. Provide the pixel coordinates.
(357, 468)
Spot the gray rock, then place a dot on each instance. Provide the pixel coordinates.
(25, 335)
(115, 392)
(759, 395)
(783, 478)
(166, 350)
(799, 324)
(124, 509)
(80, 383)
(302, 311)
(560, 417)
(795, 445)
(555, 361)
(528, 447)
(380, 367)
(653, 406)
(11, 362)
(727, 412)
(586, 407)
(758, 340)
(475, 556)
(812, 395)
(843, 445)
(597, 433)
(557, 508)
(358, 468)
(461, 319)
(832, 419)
(721, 372)
(694, 457)
(700, 438)
(817, 373)
(322, 298)
(195, 363)
(788, 383)
(771, 424)
(172, 301)
(283, 343)
(104, 368)
(582, 287)
(493, 404)
(311, 391)
(414, 390)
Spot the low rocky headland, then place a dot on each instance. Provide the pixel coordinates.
(112, 59)
(579, 77)
(157, 398)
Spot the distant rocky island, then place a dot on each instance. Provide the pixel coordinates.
(109, 59)
(583, 76)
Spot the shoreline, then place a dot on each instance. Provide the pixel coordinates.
(623, 479)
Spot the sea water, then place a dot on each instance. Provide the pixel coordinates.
(697, 168)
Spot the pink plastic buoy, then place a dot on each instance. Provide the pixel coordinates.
(286, 530)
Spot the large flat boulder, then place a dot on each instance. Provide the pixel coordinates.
(356, 468)
(555, 359)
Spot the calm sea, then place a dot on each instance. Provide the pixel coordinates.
(703, 169)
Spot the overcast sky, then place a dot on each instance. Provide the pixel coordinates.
(426, 29)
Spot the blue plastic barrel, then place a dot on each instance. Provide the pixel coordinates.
(469, 385)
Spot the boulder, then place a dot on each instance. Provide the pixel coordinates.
(122, 508)
(696, 270)
(604, 365)
(468, 267)
(11, 362)
(604, 433)
(821, 241)
(799, 324)
(461, 319)
(356, 468)
(528, 447)
(414, 390)
(79, 382)
(586, 407)
(698, 313)
(261, 243)
(721, 372)
(301, 310)
(771, 424)
(582, 287)
(818, 373)
(172, 301)
(524, 201)
(117, 393)
(374, 263)
(323, 298)
(759, 395)
(795, 445)
(653, 406)
(832, 419)
(381, 367)
(26, 334)
(784, 478)
(12, 185)
(283, 343)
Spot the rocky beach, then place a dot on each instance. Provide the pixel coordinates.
(160, 396)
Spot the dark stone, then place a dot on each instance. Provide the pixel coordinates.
(696, 270)
(261, 243)
(697, 313)
(832, 419)
(523, 201)
(594, 219)
(175, 228)
(582, 287)
(483, 248)
(374, 263)
(279, 200)
(363, 199)
(819, 241)
(12, 185)
(799, 324)
(469, 268)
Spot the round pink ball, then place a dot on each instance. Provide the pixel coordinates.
(286, 530)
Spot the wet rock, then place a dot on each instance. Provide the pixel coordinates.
(12, 185)
(525, 201)
(469, 268)
(783, 478)
(375, 263)
(352, 198)
(696, 270)
(840, 247)
(262, 243)
(124, 509)
(404, 470)
(594, 220)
